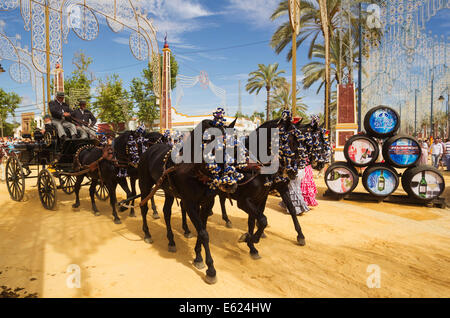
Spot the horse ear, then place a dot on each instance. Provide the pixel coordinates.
(232, 123)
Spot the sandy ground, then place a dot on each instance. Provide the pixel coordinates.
(410, 244)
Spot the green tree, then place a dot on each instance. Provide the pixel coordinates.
(78, 85)
(8, 104)
(257, 114)
(143, 95)
(282, 100)
(112, 104)
(267, 76)
(241, 115)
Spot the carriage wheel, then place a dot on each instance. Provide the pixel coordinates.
(47, 189)
(15, 179)
(47, 139)
(67, 183)
(101, 192)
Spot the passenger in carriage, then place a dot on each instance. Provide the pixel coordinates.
(61, 114)
(84, 115)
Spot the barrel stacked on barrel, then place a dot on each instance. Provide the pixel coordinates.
(382, 157)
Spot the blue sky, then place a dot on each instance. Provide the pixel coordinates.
(200, 34)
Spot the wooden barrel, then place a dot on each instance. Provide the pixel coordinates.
(401, 151)
(424, 183)
(341, 178)
(380, 180)
(361, 150)
(381, 122)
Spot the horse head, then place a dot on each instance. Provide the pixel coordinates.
(316, 146)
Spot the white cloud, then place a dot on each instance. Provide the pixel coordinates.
(122, 40)
(176, 17)
(254, 12)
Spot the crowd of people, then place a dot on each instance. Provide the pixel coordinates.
(436, 153)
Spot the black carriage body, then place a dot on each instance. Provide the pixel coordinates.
(61, 157)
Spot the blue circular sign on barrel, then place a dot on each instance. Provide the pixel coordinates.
(381, 182)
(383, 120)
(404, 151)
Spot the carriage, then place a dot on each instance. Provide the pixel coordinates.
(52, 159)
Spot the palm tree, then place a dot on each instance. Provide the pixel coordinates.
(319, 20)
(282, 99)
(316, 18)
(267, 76)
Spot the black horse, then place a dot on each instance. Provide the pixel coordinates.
(251, 196)
(186, 182)
(102, 168)
(121, 153)
(108, 168)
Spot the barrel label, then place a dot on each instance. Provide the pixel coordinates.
(404, 151)
(381, 182)
(383, 121)
(361, 151)
(427, 184)
(340, 180)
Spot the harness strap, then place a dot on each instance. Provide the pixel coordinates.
(161, 179)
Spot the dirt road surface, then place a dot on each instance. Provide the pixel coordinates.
(410, 245)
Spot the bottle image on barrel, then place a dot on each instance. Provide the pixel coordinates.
(339, 180)
(365, 154)
(381, 182)
(423, 186)
(335, 175)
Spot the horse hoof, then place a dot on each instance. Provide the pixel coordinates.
(96, 213)
(188, 235)
(123, 209)
(243, 238)
(211, 279)
(117, 221)
(155, 216)
(301, 241)
(132, 215)
(148, 240)
(229, 225)
(255, 255)
(263, 235)
(172, 248)
(199, 265)
(75, 206)
(210, 213)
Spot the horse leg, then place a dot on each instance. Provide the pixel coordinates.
(124, 185)
(111, 185)
(77, 191)
(133, 193)
(252, 211)
(155, 211)
(193, 211)
(167, 209)
(92, 194)
(187, 231)
(145, 190)
(228, 223)
(284, 192)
